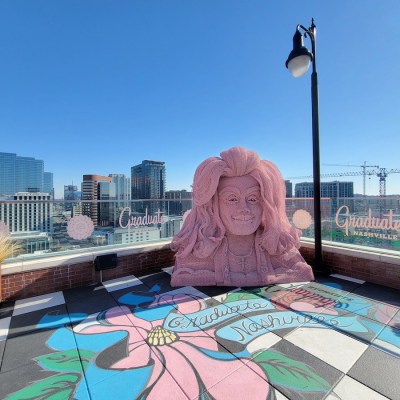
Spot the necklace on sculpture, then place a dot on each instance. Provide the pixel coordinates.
(241, 261)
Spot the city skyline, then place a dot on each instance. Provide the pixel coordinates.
(151, 170)
(96, 87)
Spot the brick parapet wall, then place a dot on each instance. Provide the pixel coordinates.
(41, 281)
(370, 270)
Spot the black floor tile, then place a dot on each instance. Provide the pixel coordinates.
(157, 277)
(353, 304)
(380, 293)
(81, 293)
(135, 296)
(378, 370)
(395, 321)
(158, 283)
(21, 350)
(90, 305)
(48, 318)
(212, 291)
(2, 347)
(6, 309)
(338, 283)
(19, 378)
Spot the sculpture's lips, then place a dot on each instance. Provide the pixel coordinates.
(243, 219)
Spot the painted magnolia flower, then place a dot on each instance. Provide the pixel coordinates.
(302, 219)
(190, 359)
(4, 230)
(80, 227)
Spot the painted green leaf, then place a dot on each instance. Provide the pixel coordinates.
(68, 360)
(284, 371)
(58, 387)
(236, 296)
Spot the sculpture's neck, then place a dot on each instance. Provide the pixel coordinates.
(240, 245)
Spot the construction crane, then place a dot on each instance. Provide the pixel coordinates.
(381, 173)
(364, 172)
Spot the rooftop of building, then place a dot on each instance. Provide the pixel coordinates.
(137, 337)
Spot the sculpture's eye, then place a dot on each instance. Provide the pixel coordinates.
(252, 199)
(232, 199)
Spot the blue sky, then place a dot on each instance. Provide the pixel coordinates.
(94, 87)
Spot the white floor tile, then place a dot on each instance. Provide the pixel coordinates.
(121, 283)
(333, 347)
(168, 270)
(4, 325)
(280, 396)
(350, 389)
(293, 285)
(263, 342)
(38, 303)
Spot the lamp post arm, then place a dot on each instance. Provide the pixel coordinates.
(311, 32)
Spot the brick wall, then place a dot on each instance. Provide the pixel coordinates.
(375, 271)
(42, 281)
(37, 282)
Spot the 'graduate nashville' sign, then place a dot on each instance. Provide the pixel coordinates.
(384, 227)
(127, 220)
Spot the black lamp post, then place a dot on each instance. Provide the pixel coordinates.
(298, 63)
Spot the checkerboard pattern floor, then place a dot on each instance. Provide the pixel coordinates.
(138, 338)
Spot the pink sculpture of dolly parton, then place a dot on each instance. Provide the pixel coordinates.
(237, 233)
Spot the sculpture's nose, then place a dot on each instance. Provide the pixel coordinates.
(243, 206)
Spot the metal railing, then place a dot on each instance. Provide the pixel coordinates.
(56, 227)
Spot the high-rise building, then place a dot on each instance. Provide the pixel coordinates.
(48, 186)
(21, 174)
(179, 201)
(90, 191)
(122, 186)
(331, 190)
(31, 213)
(289, 189)
(71, 193)
(122, 195)
(7, 173)
(106, 193)
(29, 174)
(148, 182)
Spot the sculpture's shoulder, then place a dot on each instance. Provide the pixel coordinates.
(191, 270)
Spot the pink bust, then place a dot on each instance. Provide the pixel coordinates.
(237, 233)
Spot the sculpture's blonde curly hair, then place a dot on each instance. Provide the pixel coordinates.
(203, 230)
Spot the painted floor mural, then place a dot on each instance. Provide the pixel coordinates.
(139, 338)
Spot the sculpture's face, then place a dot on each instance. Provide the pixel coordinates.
(240, 204)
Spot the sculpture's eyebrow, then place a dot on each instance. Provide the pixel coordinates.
(234, 189)
(230, 189)
(253, 189)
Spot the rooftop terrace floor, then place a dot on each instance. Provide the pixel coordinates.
(137, 338)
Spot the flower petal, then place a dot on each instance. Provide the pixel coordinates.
(138, 356)
(136, 321)
(201, 339)
(212, 371)
(165, 387)
(182, 371)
